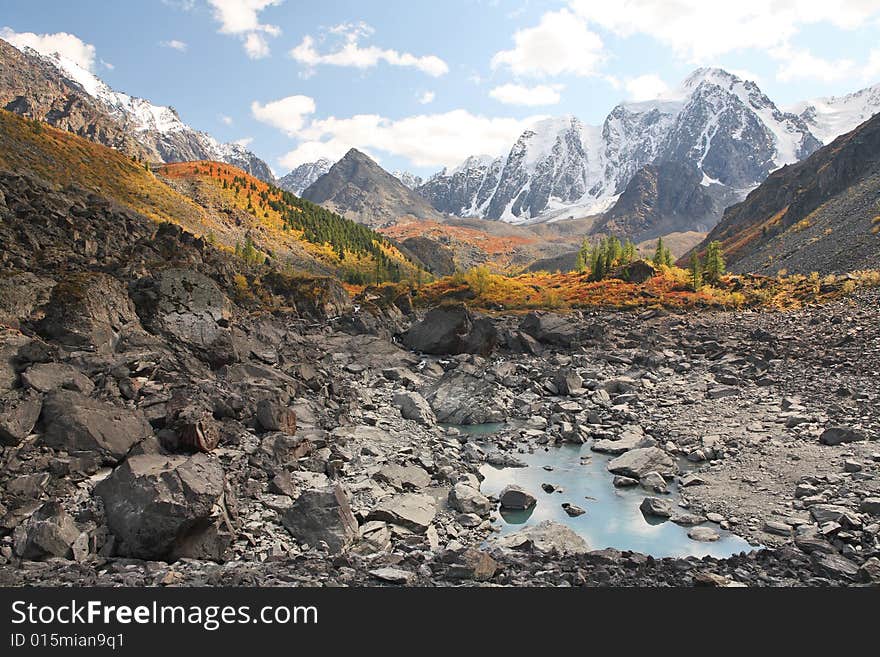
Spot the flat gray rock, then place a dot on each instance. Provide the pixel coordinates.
(547, 537)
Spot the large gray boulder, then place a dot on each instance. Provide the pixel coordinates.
(49, 532)
(46, 377)
(190, 307)
(550, 328)
(466, 499)
(322, 516)
(414, 511)
(414, 407)
(165, 507)
(89, 311)
(77, 423)
(547, 537)
(403, 477)
(838, 435)
(636, 463)
(655, 507)
(516, 498)
(452, 330)
(461, 397)
(19, 411)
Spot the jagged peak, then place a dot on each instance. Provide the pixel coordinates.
(712, 74)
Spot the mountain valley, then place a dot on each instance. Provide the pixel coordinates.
(529, 370)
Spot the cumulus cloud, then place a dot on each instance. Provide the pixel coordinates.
(426, 140)
(65, 44)
(427, 97)
(645, 87)
(517, 94)
(699, 31)
(350, 53)
(244, 142)
(225, 120)
(287, 114)
(241, 18)
(561, 43)
(175, 44)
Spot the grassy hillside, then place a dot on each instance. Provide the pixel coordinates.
(65, 159)
(670, 288)
(278, 219)
(232, 209)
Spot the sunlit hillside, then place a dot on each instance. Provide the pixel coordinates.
(276, 220)
(231, 208)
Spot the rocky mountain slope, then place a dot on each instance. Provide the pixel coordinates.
(162, 426)
(54, 89)
(820, 214)
(662, 198)
(409, 179)
(723, 126)
(304, 175)
(359, 189)
(209, 199)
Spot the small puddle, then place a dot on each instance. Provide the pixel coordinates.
(612, 517)
(477, 429)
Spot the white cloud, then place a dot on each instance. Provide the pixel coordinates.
(517, 94)
(560, 44)
(699, 31)
(801, 64)
(244, 142)
(287, 114)
(241, 18)
(225, 120)
(67, 45)
(351, 54)
(427, 97)
(107, 65)
(425, 140)
(871, 72)
(646, 87)
(175, 44)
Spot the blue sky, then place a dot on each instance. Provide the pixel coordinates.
(419, 84)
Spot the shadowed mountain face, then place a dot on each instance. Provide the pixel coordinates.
(820, 214)
(359, 189)
(662, 198)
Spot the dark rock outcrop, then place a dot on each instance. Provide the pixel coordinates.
(77, 423)
(322, 516)
(161, 507)
(452, 330)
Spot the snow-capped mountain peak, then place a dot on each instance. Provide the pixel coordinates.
(409, 179)
(157, 127)
(304, 175)
(833, 116)
(724, 125)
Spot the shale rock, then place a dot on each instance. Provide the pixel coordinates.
(78, 423)
(164, 507)
(322, 516)
(452, 330)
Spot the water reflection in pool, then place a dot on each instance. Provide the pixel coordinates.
(612, 517)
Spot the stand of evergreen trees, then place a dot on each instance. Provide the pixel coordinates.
(321, 226)
(603, 256)
(709, 271)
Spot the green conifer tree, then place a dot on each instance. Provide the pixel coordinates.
(696, 272)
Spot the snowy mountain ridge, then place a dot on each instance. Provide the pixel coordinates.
(157, 127)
